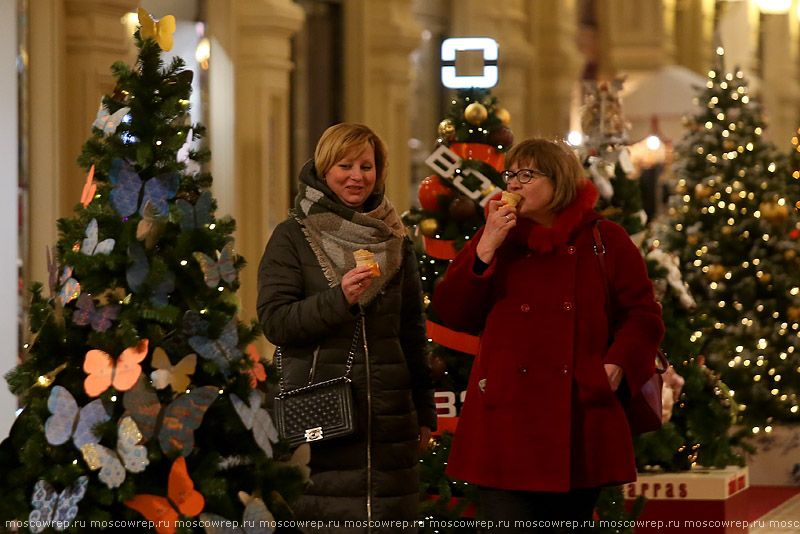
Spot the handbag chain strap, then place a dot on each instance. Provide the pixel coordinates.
(348, 367)
(600, 252)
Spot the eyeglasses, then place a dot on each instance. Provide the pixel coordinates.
(523, 175)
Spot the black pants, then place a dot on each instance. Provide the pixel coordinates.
(533, 511)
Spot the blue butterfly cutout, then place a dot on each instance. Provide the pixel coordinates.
(137, 275)
(51, 508)
(109, 122)
(195, 216)
(100, 319)
(178, 341)
(70, 421)
(70, 288)
(128, 188)
(175, 429)
(90, 246)
(221, 351)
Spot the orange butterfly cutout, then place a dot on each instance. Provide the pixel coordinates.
(89, 189)
(103, 372)
(183, 498)
(257, 372)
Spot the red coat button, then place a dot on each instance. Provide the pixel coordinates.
(521, 369)
(567, 305)
(525, 308)
(571, 250)
(564, 369)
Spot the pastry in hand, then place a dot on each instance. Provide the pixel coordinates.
(512, 199)
(366, 258)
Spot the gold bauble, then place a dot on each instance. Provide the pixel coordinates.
(503, 115)
(774, 213)
(693, 240)
(447, 129)
(702, 191)
(793, 313)
(715, 272)
(766, 278)
(428, 227)
(727, 230)
(789, 254)
(728, 145)
(476, 113)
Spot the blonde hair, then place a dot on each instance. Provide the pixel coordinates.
(340, 139)
(556, 160)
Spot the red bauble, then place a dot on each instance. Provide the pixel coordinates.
(502, 136)
(438, 366)
(429, 191)
(462, 208)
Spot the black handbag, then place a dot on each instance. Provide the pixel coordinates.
(643, 410)
(317, 412)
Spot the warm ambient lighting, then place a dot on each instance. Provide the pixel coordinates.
(774, 6)
(574, 138)
(653, 142)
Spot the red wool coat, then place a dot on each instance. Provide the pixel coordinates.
(546, 418)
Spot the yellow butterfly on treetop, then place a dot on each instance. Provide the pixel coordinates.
(161, 31)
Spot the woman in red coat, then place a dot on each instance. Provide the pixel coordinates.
(542, 430)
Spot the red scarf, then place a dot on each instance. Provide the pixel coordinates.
(540, 238)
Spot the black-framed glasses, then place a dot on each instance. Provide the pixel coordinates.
(523, 175)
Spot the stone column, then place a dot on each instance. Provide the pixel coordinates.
(779, 85)
(249, 122)
(631, 34)
(379, 36)
(72, 46)
(693, 32)
(557, 65)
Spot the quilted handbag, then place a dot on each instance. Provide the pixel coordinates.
(317, 412)
(643, 410)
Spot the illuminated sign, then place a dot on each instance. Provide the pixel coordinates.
(490, 73)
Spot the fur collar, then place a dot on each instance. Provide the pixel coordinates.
(541, 239)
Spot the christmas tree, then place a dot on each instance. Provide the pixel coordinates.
(697, 428)
(141, 401)
(735, 237)
(467, 162)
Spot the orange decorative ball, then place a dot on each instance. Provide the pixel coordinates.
(429, 191)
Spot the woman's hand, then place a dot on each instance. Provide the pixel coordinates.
(355, 282)
(502, 218)
(614, 373)
(424, 437)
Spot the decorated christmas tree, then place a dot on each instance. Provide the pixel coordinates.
(141, 399)
(467, 162)
(731, 226)
(697, 407)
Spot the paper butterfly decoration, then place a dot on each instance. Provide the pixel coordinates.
(181, 498)
(109, 122)
(151, 226)
(257, 519)
(104, 372)
(175, 376)
(221, 268)
(161, 31)
(55, 509)
(137, 273)
(300, 459)
(175, 423)
(257, 372)
(90, 246)
(68, 421)
(257, 419)
(100, 319)
(128, 187)
(195, 216)
(89, 189)
(192, 167)
(70, 288)
(177, 342)
(110, 463)
(221, 351)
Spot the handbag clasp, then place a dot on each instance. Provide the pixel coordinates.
(314, 434)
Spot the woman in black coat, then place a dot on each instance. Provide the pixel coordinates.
(310, 296)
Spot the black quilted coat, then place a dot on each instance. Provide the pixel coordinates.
(372, 475)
